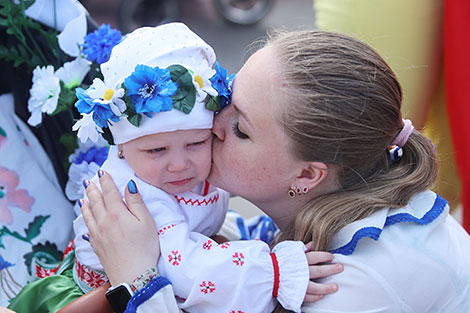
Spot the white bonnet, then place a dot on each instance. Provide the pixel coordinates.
(160, 46)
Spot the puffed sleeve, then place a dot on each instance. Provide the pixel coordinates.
(233, 276)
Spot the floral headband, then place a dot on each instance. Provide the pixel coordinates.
(146, 91)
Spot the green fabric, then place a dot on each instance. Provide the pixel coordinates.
(48, 294)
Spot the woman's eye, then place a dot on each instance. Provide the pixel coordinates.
(238, 133)
(156, 150)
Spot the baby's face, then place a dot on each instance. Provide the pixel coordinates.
(173, 161)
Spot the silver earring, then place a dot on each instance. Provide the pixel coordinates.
(298, 190)
(305, 189)
(120, 154)
(291, 192)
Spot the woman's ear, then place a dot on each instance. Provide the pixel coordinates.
(311, 175)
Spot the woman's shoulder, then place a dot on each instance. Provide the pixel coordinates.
(397, 255)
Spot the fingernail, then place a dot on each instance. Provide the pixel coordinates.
(86, 183)
(80, 202)
(86, 237)
(100, 173)
(132, 186)
(339, 268)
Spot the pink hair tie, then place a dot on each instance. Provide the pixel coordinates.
(402, 137)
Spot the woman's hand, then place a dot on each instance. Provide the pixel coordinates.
(317, 268)
(124, 237)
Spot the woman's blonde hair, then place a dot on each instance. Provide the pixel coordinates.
(344, 110)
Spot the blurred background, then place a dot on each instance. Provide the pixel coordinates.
(230, 40)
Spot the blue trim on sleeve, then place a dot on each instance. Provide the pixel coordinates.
(146, 293)
(374, 232)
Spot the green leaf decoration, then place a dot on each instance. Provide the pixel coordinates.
(213, 103)
(67, 99)
(185, 95)
(135, 119)
(34, 228)
(132, 116)
(108, 136)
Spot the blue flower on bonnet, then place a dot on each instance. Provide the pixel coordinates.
(222, 84)
(150, 89)
(101, 112)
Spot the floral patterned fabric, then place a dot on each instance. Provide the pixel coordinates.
(35, 216)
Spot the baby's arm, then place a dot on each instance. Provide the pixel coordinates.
(239, 275)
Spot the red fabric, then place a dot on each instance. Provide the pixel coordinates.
(276, 275)
(457, 84)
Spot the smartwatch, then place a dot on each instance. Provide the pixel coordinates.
(118, 296)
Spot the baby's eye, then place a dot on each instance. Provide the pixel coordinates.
(156, 150)
(197, 143)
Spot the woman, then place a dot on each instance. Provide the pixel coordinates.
(317, 112)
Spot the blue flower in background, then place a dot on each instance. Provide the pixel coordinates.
(222, 84)
(4, 263)
(98, 45)
(150, 89)
(101, 112)
(94, 154)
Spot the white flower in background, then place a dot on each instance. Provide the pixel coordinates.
(108, 93)
(65, 11)
(44, 93)
(73, 36)
(77, 174)
(202, 83)
(87, 128)
(72, 73)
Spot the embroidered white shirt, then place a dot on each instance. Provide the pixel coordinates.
(206, 276)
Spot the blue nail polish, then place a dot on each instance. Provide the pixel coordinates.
(86, 237)
(86, 183)
(132, 187)
(100, 173)
(80, 202)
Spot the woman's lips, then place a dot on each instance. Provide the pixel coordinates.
(180, 182)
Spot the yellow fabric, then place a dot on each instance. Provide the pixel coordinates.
(408, 34)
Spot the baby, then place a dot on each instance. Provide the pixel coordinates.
(158, 102)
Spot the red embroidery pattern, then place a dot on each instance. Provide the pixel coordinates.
(237, 311)
(161, 231)
(90, 277)
(213, 199)
(207, 245)
(42, 272)
(208, 287)
(174, 258)
(238, 258)
(224, 245)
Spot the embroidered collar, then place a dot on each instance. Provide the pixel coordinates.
(423, 208)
